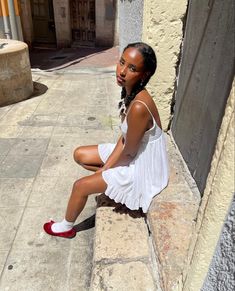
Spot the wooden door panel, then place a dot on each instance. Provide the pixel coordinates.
(43, 21)
(83, 21)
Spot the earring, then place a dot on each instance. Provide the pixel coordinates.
(141, 83)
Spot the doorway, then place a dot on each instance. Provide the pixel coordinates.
(43, 21)
(83, 22)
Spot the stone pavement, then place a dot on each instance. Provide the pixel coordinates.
(37, 171)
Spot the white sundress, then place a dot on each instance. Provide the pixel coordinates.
(147, 175)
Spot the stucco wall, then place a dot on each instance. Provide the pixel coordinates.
(162, 29)
(62, 22)
(130, 21)
(215, 204)
(105, 22)
(221, 273)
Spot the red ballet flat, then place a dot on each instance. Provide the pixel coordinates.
(66, 234)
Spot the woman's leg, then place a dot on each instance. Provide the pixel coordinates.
(82, 188)
(80, 192)
(88, 157)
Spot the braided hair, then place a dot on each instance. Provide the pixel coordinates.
(150, 65)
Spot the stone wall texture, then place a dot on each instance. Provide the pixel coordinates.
(222, 270)
(162, 29)
(215, 205)
(130, 22)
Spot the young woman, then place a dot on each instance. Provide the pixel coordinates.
(135, 169)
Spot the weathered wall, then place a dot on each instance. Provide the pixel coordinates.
(62, 22)
(221, 273)
(105, 22)
(130, 21)
(162, 29)
(215, 204)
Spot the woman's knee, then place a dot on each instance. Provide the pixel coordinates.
(80, 186)
(78, 155)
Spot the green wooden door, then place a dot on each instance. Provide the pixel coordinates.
(43, 21)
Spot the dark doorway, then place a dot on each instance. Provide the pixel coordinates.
(83, 22)
(43, 21)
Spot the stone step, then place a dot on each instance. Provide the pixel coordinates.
(123, 255)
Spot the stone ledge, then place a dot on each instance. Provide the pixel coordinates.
(123, 258)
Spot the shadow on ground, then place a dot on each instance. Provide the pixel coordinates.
(49, 59)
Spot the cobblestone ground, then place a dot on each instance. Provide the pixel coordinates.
(37, 137)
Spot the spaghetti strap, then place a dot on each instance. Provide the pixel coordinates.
(145, 106)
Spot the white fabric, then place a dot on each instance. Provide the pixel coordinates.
(147, 175)
(62, 226)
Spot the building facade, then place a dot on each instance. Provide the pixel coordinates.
(64, 23)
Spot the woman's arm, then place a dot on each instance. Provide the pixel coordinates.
(137, 119)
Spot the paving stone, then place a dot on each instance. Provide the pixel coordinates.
(119, 236)
(14, 192)
(6, 144)
(11, 131)
(36, 270)
(123, 277)
(3, 257)
(14, 166)
(9, 220)
(55, 165)
(29, 146)
(35, 237)
(40, 120)
(35, 132)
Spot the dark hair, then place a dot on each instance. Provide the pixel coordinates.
(150, 65)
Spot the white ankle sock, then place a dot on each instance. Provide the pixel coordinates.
(62, 226)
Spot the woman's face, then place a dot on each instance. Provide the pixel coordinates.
(130, 69)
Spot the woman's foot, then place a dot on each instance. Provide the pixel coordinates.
(60, 229)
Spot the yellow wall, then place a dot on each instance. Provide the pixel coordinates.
(215, 203)
(162, 29)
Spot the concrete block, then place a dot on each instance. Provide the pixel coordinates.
(9, 220)
(10, 131)
(14, 192)
(122, 277)
(15, 166)
(29, 147)
(3, 257)
(6, 144)
(119, 236)
(55, 165)
(36, 270)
